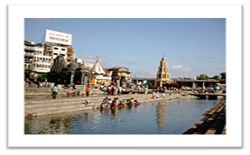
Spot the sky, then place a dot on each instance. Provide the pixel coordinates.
(192, 46)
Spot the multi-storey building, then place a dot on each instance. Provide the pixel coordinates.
(29, 50)
(35, 58)
(69, 55)
(39, 57)
(55, 49)
(41, 62)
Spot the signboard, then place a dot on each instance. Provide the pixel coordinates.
(58, 37)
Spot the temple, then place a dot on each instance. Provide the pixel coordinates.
(98, 73)
(120, 76)
(73, 74)
(163, 75)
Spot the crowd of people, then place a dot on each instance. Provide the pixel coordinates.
(112, 90)
(38, 84)
(108, 103)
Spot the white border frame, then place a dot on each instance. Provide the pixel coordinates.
(233, 15)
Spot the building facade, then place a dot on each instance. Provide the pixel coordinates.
(163, 75)
(120, 76)
(55, 50)
(98, 75)
(71, 74)
(35, 58)
(40, 57)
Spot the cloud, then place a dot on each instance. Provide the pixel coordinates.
(144, 74)
(87, 59)
(221, 68)
(181, 68)
(206, 57)
(131, 63)
(42, 20)
(90, 59)
(182, 58)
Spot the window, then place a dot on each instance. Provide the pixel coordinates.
(49, 47)
(55, 48)
(164, 75)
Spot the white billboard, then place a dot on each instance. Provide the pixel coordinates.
(58, 37)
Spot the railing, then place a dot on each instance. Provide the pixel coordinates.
(29, 47)
(29, 54)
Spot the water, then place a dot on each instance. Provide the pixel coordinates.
(163, 117)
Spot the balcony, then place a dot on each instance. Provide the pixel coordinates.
(29, 48)
(27, 54)
(28, 60)
(69, 58)
(49, 49)
(70, 51)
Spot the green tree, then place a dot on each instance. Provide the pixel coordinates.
(216, 77)
(202, 77)
(223, 75)
(42, 77)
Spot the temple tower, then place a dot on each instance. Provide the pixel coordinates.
(163, 75)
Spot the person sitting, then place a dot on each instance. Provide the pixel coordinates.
(115, 102)
(129, 101)
(105, 103)
(85, 102)
(68, 94)
(156, 96)
(137, 102)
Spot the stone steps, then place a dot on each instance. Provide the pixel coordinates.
(56, 108)
(212, 123)
(69, 99)
(39, 107)
(29, 106)
(57, 111)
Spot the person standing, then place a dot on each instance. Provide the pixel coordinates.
(109, 90)
(54, 92)
(146, 90)
(115, 91)
(153, 93)
(112, 90)
(120, 90)
(105, 90)
(87, 91)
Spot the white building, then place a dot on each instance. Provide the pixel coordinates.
(79, 61)
(59, 50)
(41, 62)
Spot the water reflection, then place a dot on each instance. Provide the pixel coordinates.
(162, 114)
(48, 126)
(165, 117)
